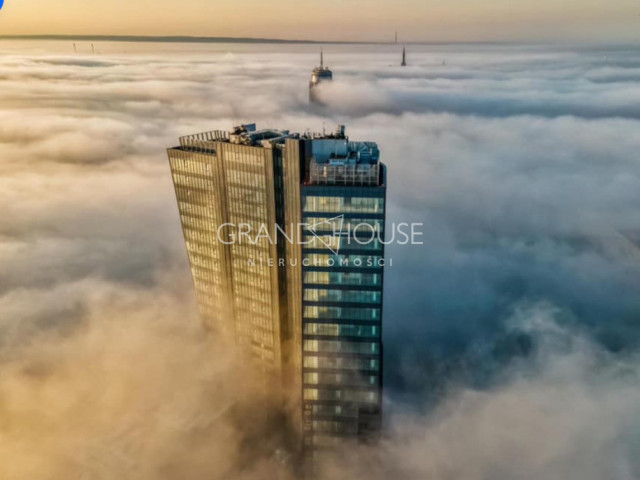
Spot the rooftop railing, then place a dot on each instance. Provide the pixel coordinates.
(204, 141)
(345, 174)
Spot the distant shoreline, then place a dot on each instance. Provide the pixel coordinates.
(162, 39)
(282, 41)
(190, 39)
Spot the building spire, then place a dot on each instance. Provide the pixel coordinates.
(404, 57)
(321, 59)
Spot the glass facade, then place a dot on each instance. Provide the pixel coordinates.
(219, 183)
(199, 202)
(342, 313)
(313, 321)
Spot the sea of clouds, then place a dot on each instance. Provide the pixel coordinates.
(511, 335)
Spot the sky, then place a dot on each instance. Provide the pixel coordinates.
(511, 340)
(333, 20)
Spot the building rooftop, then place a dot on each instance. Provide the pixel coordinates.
(334, 160)
(337, 161)
(321, 72)
(340, 151)
(335, 145)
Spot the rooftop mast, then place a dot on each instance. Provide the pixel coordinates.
(320, 74)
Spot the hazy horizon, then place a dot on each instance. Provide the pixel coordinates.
(132, 38)
(370, 21)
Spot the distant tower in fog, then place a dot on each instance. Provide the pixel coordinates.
(404, 57)
(319, 75)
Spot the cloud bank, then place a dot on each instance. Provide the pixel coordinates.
(520, 161)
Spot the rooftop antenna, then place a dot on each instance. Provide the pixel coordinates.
(404, 57)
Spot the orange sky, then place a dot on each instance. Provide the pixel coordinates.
(364, 20)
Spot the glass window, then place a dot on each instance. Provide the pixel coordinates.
(352, 378)
(345, 363)
(347, 296)
(311, 394)
(332, 329)
(342, 278)
(343, 204)
(342, 313)
(337, 346)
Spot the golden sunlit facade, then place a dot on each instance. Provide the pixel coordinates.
(220, 185)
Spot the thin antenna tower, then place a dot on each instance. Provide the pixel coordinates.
(404, 57)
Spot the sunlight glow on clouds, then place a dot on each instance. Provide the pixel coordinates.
(511, 335)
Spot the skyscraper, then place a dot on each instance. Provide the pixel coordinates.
(284, 234)
(319, 76)
(219, 182)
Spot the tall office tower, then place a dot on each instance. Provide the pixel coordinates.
(320, 75)
(342, 195)
(306, 301)
(221, 181)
